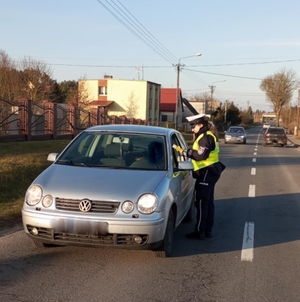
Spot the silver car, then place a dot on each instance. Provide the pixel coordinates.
(123, 186)
(235, 134)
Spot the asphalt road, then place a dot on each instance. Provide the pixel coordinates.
(253, 255)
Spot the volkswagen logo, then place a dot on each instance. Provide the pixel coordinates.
(85, 205)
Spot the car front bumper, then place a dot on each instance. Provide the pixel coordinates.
(134, 233)
(235, 140)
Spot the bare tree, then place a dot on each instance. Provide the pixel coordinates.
(279, 89)
(83, 94)
(132, 106)
(8, 77)
(35, 79)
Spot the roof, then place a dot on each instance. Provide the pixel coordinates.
(168, 99)
(100, 103)
(133, 128)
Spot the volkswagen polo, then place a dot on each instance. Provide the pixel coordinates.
(121, 186)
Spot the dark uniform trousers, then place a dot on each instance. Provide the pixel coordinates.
(204, 202)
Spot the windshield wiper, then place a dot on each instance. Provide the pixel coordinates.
(70, 162)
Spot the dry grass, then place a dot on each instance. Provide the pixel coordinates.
(20, 164)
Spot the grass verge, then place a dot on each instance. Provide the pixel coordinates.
(20, 164)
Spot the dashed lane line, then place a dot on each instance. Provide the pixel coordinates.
(248, 242)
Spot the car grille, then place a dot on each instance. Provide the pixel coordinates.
(98, 206)
(106, 240)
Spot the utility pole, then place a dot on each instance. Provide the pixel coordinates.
(298, 112)
(212, 89)
(178, 68)
(225, 115)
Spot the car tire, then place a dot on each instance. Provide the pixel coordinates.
(165, 249)
(244, 142)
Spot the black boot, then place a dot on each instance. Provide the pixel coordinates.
(208, 234)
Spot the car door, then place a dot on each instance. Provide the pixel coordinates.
(183, 180)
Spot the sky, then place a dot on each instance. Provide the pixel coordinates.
(241, 42)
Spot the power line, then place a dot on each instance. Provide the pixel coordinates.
(129, 24)
(227, 75)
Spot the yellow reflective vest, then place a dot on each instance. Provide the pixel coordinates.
(213, 155)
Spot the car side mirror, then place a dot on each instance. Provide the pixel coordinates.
(52, 157)
(184, 166)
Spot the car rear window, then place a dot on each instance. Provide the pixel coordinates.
(276, 131)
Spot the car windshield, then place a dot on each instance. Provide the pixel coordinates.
(236, 130)
(116, 150)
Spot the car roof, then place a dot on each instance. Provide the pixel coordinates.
(133, 128)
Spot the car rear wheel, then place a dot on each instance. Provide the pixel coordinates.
(165, 249)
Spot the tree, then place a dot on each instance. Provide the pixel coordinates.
(8, 77)
(233, 115)
(279, 89)
(83, 94)
(69, 92)
(132, 106)
(247, 117)
(35, 80)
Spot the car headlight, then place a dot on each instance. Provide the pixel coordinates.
(47, 201)
(147, 203)
(33, 195)
(127, 206)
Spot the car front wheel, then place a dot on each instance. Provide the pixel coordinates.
(165, 249)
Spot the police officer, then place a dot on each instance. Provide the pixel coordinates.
(207, 171)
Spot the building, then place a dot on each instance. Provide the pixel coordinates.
(130, 98)
(168, 107)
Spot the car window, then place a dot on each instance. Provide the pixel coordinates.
(118, 150)
(276, 130)
(236, 130)
(176, 155)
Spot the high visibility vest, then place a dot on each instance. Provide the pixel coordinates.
(213, 155)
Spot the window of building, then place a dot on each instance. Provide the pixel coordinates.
(102, 90)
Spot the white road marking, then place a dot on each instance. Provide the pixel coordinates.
(251, 191)
(254, 160)
(248, 242)
(255, 153)
(253, 171)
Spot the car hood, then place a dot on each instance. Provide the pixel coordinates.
(94, 183)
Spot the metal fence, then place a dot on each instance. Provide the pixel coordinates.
(27, 120)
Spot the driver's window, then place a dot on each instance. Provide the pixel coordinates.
(177, 156)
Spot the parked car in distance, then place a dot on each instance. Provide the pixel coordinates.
(275, 135)
(235, 134)
(121, 186)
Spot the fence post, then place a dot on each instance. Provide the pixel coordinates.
(54, 121)
(28, 132)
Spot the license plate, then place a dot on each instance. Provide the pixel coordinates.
(83, 227)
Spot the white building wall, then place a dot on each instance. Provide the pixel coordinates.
(121, 91)
(91, 88)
